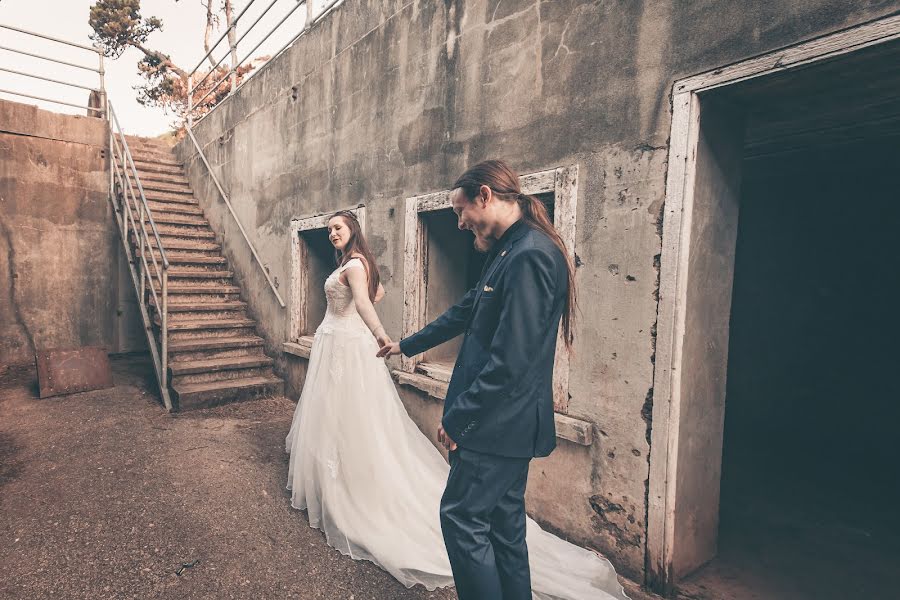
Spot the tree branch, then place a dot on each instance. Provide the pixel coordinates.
(162, 58)
(210, 21)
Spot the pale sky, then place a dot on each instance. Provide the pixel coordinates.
(181, 38)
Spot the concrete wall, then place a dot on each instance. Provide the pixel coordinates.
(61, 281)
(387, 99)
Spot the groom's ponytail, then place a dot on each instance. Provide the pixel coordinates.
(504, 183)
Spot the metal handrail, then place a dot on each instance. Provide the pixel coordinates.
(309, 23)
(127, 196)
(91, 108)
(50, 79)
(189, 120)
(234, 67)
(51, 59)
(236, 43)
(101, 90)
(48, 37)
(115, 121)
(235, 217)
(219, 41)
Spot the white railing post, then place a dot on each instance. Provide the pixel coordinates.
(164, 328)
(103, 107)
(190, 101)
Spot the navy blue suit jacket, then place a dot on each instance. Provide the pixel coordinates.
(500, 398)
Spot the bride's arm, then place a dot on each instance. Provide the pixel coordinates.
(358, 281)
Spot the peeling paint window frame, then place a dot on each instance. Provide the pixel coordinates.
(563, 183)
(299, 318)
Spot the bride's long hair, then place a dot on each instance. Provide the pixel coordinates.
(357, 245)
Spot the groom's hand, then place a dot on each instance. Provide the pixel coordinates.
(445, 440)
(388, 349)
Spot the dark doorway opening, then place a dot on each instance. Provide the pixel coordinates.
(811, 459)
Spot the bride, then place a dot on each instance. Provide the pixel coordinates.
(364, 471)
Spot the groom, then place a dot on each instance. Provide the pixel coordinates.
(498, 413)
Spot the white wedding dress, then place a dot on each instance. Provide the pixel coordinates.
(373, 482)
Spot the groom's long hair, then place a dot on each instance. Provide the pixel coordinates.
(504, 183)
(357, 245)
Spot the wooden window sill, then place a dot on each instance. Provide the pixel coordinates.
(567, 428)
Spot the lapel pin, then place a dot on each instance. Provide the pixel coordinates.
(488, 288)
(503, 253)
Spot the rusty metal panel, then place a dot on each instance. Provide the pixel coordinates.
(66, 371)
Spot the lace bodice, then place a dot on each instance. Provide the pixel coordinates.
(340, 311)
(339, 295)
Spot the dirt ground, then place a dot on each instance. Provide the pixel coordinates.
(105, 495)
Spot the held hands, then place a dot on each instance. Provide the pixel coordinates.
(388, 348)
(445, 440)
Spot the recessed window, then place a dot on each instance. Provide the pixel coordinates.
(312, 261)
(452, 267)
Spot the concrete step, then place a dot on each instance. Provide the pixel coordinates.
(178, 219)
(223, 375)
(169, 208)
(171, 243)
(144, 167)
(179, 274)
(220, 369)
(203, 290)
(144, 158)
(188, 232)
(192, 367)
(215, 344)
(170, 197)
(207, 315)
(147, 154)
(173, 232)
(169, 238)
(147, 141)
(209, 348)
(225, 332)
(195, 314)
(197, 279)
(204, 293)
(206, 261)
(182, 229)
(196, 266)
(200, 307)
(203, 395)
(205, 325)
(154, 185)
(170, 178)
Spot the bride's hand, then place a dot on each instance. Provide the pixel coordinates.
(389, 349)
(383, 340)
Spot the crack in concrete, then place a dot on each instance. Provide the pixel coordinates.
(11, 254)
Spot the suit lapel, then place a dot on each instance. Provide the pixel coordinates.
(481, 284)
(501, 256)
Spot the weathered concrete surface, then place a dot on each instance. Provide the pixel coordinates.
(387, 99)
(104, 495)
(63, 281)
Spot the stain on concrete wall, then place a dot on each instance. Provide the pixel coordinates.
(61, 281)
(387, 99)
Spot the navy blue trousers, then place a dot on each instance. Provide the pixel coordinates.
(483, 522)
